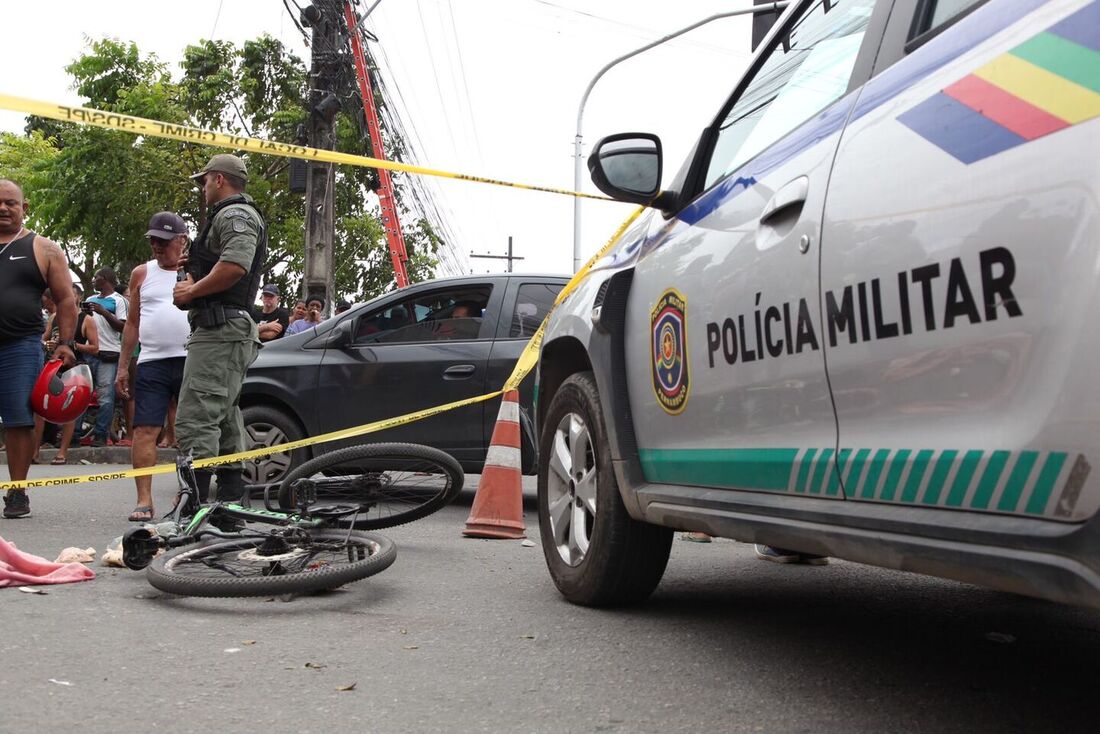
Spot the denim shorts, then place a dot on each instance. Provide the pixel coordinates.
(21, 361)
(156, 383)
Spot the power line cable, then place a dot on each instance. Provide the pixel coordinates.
(424, 202)
(492, 195)
(435, 73)
(294, 18)
(217, 16)
(642, 31)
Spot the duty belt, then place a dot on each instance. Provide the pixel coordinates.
(215, 316)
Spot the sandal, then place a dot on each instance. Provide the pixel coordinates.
(59, 461)
(141, 513)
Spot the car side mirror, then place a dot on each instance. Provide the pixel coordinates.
(627, 167)
(340, 336)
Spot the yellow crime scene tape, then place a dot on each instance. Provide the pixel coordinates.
(524, 364)
(154, 128)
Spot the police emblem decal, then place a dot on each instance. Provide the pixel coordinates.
(668, 346)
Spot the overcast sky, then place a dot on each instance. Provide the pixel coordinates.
(490, 87)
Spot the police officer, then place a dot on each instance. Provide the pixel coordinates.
(222, 275)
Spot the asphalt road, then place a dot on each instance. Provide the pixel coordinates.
(464, 635)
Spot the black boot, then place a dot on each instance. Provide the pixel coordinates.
(231, 487)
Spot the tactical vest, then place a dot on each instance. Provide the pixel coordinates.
(201, 260)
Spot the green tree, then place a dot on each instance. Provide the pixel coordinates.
(93, 190)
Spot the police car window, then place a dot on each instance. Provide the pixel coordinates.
(809, 67)
(935, 13)
(532, 304)
(432, 317)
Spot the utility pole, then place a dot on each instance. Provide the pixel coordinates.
(509, 257)
(323, 16)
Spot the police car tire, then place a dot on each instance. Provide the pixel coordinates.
(626, 558)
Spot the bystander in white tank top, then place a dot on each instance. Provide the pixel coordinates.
(163, 329)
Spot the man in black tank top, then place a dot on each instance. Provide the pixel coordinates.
(28, 265)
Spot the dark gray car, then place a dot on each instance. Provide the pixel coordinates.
(425, 345)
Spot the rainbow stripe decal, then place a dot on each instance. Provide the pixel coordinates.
(1047, 83)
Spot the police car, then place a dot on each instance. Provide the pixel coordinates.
(859, 322)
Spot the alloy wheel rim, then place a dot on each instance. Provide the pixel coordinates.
(268, 469)
(571, 489)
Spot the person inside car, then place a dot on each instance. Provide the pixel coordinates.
(462, 323)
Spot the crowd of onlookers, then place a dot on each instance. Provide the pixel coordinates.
(170, 352)
(274, 321)
(132, 340)
(100, 324)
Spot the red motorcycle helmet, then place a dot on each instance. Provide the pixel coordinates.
(60, 397)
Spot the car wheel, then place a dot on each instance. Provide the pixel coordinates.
(596, 553)
(265, 427)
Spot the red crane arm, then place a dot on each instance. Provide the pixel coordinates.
(390, 222)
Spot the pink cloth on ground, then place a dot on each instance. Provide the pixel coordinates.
(22, 569)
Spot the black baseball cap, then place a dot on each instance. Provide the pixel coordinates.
(270, 288)
(166, 226)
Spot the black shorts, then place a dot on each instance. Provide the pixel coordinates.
(158, 381)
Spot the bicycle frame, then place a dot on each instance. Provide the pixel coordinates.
(197, 526)
(141, 544)
(248, 514)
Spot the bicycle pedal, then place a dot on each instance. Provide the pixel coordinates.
(305, 492)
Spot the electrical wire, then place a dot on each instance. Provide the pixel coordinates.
(435, 73)
(217, 16)
(294, 18)
(643, 32)
(470, 111)
(424, 202)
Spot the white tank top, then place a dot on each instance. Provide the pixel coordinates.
(163, 329)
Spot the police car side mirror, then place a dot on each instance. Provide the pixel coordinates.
(627, 167)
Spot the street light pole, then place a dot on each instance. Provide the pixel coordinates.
(773, 7)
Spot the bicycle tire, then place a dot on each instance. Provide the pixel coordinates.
(413, 482)
(172, 571)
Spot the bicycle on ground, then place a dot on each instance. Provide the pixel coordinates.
(310, 534)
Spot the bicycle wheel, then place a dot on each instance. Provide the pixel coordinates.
(312, 561)
(395, 483)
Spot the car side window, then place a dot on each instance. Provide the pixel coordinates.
(430, 317)
(932, 14)
(533, 302)
(809, 67)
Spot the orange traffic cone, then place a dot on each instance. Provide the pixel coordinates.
(498, 504)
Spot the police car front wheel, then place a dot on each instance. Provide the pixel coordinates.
(596, 553)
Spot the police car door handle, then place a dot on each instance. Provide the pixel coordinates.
(459, 372)
(790, 196)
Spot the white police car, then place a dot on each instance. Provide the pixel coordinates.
(860, 322)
